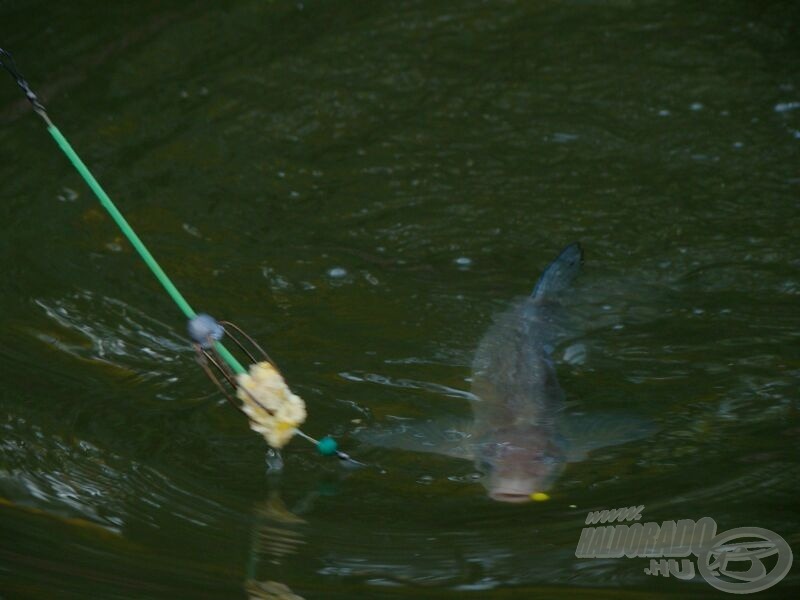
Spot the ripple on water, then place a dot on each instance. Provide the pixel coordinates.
(100, 328)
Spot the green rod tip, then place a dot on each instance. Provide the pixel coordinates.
(327, 446)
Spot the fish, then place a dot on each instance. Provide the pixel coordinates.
(521, 437)
(517, 443)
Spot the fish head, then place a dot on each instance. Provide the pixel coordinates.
(518, 462)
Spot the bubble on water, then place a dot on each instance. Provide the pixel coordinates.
(67, 195)
(276, 281)
(191, 230)
(786, 106)
(696, 106)
(563, 138)
(664, 113)
(463, 262)
(337, 272)
(738, 145)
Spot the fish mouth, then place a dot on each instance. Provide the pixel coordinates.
(515, 497)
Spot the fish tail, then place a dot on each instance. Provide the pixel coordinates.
(559, 274)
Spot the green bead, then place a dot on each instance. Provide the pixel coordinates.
(327, 446)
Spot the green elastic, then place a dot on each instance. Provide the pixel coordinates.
(129, 233)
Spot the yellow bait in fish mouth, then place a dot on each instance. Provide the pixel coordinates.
(274, 411)
(540, 496)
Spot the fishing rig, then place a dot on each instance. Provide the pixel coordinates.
(263, 396)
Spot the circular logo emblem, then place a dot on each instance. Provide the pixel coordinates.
(733, 560)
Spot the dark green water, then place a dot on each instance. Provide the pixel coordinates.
(260, 150)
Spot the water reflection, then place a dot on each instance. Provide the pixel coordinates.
(278, 532)
(269, 590)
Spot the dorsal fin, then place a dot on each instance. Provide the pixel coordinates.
(559, 274)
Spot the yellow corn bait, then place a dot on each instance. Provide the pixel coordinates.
(274, 411)
(540, 496)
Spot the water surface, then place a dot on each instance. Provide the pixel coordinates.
(362, 186)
